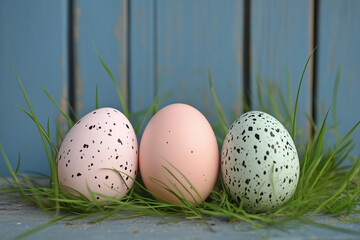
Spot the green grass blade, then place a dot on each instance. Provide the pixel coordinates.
(316, 150)
(71, 123)
(259, 86)
(120, 94)
(18, 164)
(8, 165)
(334, 104)
(181, 184)
(288, 89)
(52, 167)
(334, 152)
(71, 111)
(297, 96)
(41, 129)
(186, 179)
(224, 122)
(96, 98)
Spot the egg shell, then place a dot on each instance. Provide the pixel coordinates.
(259, 162)
(180, 139)
(97, 149)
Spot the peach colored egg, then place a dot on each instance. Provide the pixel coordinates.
(178, 146)
(100, 153)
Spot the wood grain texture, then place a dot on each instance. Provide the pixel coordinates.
(279, 50)
(33, 40)
(171, 44)
(339, 51)
(104, 25)
(18, 218)
(193, 37)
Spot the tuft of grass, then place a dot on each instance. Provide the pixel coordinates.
(327, 185)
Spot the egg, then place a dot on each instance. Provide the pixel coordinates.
(179, 156)
(100, 154)
(259, 162)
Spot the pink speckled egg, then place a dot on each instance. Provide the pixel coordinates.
(179, 157)
(100, 152)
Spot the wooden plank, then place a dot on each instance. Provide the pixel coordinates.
(193, 37)
(15, 222)
(34, 39)
(280, 33)
(339, 50)
(142, 68)
(104, 24)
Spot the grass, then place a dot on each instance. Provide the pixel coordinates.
(327, 183)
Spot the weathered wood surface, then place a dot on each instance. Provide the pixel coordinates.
(18, 217)
(33, 40)
(339, 54)
(171, 45)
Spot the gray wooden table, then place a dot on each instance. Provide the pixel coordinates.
(17, 217)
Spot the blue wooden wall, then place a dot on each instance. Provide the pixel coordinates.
(149, 44)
